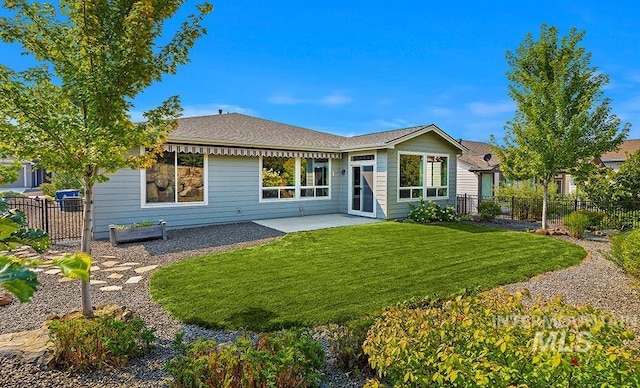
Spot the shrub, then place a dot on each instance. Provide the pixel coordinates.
(625, 251)
(621, 220)
(346, 343)
(577, 223)
(430, 211)
(284, 359)
(488, 210)
(595, 217)
(12, 194)
(493, 340)
(48, 189)
(103, 342)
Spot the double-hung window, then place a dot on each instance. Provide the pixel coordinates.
(422, 175)
(294, 178)
(176, 178)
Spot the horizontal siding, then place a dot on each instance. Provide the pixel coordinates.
(467, 181)
(429, 142)
(381, 184)
(233, 192)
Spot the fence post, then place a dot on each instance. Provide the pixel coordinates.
(575, 205)
(465, 204)
(45, 215)
(513, 205)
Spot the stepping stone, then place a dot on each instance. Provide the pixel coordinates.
(38, 270)
(97, 282)
(52, 271)
(94, 268)
(107, 257)
(65, 279)
(110, 263)
(111, 288)
(145, 269)
(133, 280)
(116, 269)
(115, 276)
(130, 263)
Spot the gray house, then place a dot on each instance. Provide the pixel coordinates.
(233, 167)
(29, 176)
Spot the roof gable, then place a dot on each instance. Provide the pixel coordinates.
(476, 154)
(619, 155)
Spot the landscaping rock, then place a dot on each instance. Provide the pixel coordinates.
(541, 231)
(5, 298)
(32, 347)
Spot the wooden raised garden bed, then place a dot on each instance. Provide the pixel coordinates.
(137, 232)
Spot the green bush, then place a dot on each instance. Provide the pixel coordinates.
(430, 211)
(621, 220)
(346, 343)
(625, 251)
(284, 359)
(595, 217)
(488, 210)
(493, 340)
(12, 194)
(577, 223)
(98, 343)
(48, 189)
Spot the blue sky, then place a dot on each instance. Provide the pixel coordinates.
(354, 67)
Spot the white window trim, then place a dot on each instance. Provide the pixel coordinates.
(424, 187)
(155, 205)
(297, 188)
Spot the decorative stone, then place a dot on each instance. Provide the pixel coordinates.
(145, 269)
(134, 280)
(94, 268)
(107, 257)
(5, 298)
(541, 231)
(116, 276)
(52, 271)
(64, 279)
(32, 347)
(130, 263)
(92, 282)
(117, 269)
(109, 263)
(111, 288)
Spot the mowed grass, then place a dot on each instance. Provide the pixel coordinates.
(331, 275)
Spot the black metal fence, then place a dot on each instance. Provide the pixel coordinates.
(61, 219)
(613, 215)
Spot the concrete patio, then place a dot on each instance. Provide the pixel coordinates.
(298, 224)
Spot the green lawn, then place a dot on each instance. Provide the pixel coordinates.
(331, 275)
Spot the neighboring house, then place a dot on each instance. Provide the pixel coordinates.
(614, 158)
(29, 176)
(233, 167)
(478, 170)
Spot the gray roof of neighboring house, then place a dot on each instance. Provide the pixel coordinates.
(476, 154)
(627, 147)
(235, 129)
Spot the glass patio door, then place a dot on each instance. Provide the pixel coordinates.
(362, 200)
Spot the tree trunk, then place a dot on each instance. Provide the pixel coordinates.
(85, 245)
(545, 195)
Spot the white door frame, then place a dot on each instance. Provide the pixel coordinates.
(361, 163)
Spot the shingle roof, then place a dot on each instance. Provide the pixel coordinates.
(235, 129)
(475, 156)
(628, 146)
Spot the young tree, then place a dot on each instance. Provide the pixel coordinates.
(562, 121)
(621, 187)
(72, 111)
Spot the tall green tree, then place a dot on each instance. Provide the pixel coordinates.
(611, 187)
(72, 111)
(562, 120)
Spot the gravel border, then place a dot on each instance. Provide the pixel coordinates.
(594, 281)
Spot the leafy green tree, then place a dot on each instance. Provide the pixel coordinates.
(562, 121)
(621, 187)
(72, 111)
(16, 275)
(10, 172)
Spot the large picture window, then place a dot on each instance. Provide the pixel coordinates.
(176, 178)
(294, 178)
(422, 175)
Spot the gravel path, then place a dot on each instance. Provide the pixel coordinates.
(595, 281)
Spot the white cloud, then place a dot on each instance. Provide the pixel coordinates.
(285, 99)
(488, 109)
(335, 99)
(392, 124)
